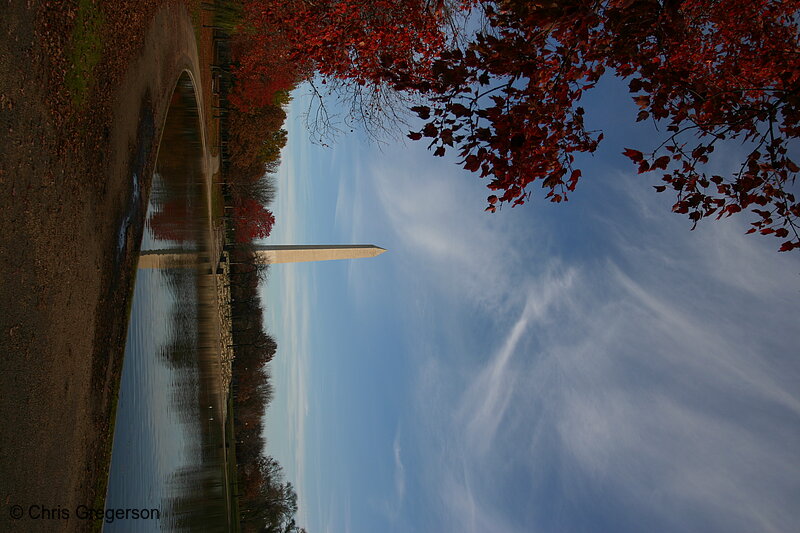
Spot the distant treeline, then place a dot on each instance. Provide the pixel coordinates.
(266, 501)
(260, 77)
(252, 117)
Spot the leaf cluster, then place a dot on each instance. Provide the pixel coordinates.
(709, 71)
(507, 100)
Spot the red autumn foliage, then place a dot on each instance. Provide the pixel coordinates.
(263, 68)
(262, 75)
(358, 40)
(707, 71)
(252, 221)
(256, 138)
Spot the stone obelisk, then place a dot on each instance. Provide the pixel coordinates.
(273, 254)
(294, 253)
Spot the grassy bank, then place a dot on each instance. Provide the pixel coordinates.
(232, 468)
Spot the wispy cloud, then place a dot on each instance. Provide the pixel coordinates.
(645, 380)
(399, 472)
(650, 387)
(484, 404)
(459, 250)
(395, 506)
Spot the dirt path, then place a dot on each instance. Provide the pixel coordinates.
(68, 198)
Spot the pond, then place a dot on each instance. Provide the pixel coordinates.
(169, 447)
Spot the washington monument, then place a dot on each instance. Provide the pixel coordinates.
(274, 254)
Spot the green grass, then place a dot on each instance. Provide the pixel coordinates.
(230, 439)
(102, 483)
(85, 51)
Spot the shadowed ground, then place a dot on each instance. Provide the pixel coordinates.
(70, 223)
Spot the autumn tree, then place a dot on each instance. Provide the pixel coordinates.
(262, 75)
(263, 63)
(256, 139)
(707, 72)
(269, 503)
(252, 221)
(248, 127)
(358, 40)
(358, 49)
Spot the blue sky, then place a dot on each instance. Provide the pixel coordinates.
(589, 366)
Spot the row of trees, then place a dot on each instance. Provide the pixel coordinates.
(506, 98)
(254, 137)
(267, 501)
(263, 75)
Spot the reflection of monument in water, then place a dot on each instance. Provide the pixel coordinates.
(273, 254)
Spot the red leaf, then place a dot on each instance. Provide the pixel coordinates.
(472, 163)
(430, 130)
(633, 155)
(423, 112)
(642, 101)
(661, 163)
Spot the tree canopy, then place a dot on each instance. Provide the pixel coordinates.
(506, 98)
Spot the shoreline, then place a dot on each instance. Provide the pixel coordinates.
(63, 216)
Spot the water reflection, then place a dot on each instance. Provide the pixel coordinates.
(169, 448)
